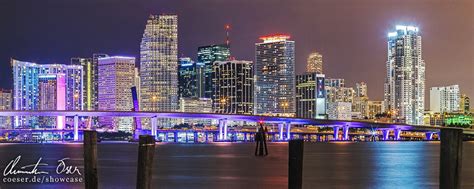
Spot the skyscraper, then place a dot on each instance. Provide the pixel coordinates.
(445, 99)
(315, 63)
(89, 81)
(207, 55)
(159, 64)
(404, 92)
(275, 76)
(187, 78)
(5, 104)
(116, 77)
(310, 96)
(26, 87)
(233, 87)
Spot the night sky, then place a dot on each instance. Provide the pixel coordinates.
(351, 34)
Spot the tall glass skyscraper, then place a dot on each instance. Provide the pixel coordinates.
(404, 92)
(310, 96)
(233, 87)
(275, 76)
(90, 81)
(207, 55)
(187, 78)
(159, 64)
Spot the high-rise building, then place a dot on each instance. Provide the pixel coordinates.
(360, 105)
(207, 55)
(26, 88)
(445, 99)
(136, 82)
(404, 92)
(116, 78)
(89, 81)
(315, 63)
(187, 78)
(233, 87)
(159, 64)
(339, 94)
(310, 96)
(275, 76)
(339, 110)
(361, 90)
(464, 104)
(332, 82)
(52, 96)
(5, 104)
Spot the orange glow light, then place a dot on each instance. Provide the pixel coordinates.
(274, 38)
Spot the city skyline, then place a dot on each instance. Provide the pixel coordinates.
(332, 39)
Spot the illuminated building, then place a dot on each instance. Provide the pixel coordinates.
(315, 63)
(52, 96)
(374, 108)
(116, 78)
(339, 94)
(233, 87)
(464, 104)
(89, 81)
(26, 87)
(159, 65)
(310, 96)
(207, 55)
(187, 78)
(194, 104)
(339, 110)
(361, 89)
(5, 104)
(275, 76)
(445, 99)
(404, 91)
(332, 82)
(449, 119)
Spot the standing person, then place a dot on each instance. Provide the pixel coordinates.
(257, 140)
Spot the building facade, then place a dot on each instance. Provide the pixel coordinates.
(374, 108)
(187, 78)
(26, 88)
(404, 92)
(464, 104)
(233, 87)
(198, 105)
(275, 76)
(445, 99)
(207, 55)
(6, 104)
(159, 64)
(339, 111)
(52, 96)
(310, 96)
(315, 63)
(116, 78)
(361, 89)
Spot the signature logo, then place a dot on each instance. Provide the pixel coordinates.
(13, 168)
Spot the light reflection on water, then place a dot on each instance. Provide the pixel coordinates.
(226, 165)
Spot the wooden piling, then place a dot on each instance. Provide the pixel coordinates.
(295, 164)
(90, 159)
(450, 158)
(146, 151)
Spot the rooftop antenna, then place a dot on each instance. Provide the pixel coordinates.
(227, 30)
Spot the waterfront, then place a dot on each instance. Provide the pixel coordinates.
(232, 165)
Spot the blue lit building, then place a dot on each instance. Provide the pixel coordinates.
(188, 78)
(207, 55)
(26, 87)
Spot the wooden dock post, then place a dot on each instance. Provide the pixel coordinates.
(90, 159)
(146, 151)
(295, 164)
(450, 158)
